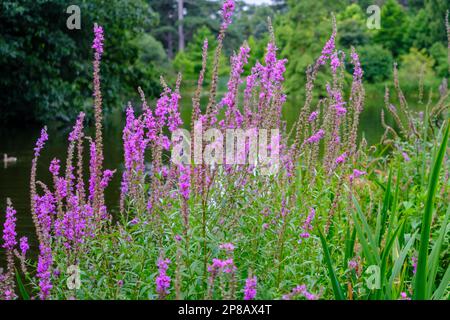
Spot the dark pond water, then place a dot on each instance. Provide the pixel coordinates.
(19, 142)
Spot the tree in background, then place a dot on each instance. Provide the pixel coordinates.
(428, 26)
(376, 62)
(352, 27)
(46, 68)
(394, 22)
(194, 14)
(300, 35)
(180, 8)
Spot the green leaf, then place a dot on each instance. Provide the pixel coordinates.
(433, 261)
(385, 208)
(420, 285)
(337, 289)
(400, 260)
(439, 293)
(369, 249)
(23, 292)
(384, 257)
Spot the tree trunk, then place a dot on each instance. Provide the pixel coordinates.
(180, 26)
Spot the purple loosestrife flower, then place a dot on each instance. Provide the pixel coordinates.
(302, 291)
(61, 187)
(238, 61)
(228, 247)
(414, 264)
(162, 109)
(174, 121)
(163, 280)
(107, 176)
(93, 172)
(271, 74)
(24, 246)
(9, 229)
(55, 167)
(150, 125)
(227, 13)
(9, 294)
(352, 265)
(97, 44)
(404, 296)
(406, 157)
(335, 62)
(307, 225)
(251, 82)
(134, 145)
(76, 224)
(44, 265)
(45, 210)
(357, 72)
(250, 288)
(77, 130)
(338, 101)
(41, 142)
(226, 266)
(315, 138)
(184, 181)
(341, 159)
(313, 116)
(356, 174)
(327, 50)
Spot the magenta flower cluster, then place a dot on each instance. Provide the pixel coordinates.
(250, 288)
(227, 13)
(163, 280)
(356, 174)
(307, 225)
(9, 229)
(316, 137)
(300, 290)
(41, 142)
(97, 44)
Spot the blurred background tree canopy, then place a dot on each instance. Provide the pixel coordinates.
(46, 68)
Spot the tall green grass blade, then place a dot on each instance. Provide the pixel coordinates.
(385, 208)
(384, 258)
(22, 290)
(420, 286)
(369, 244)
(399, 262)
(337, 289)
(350, 244)
(440, 291)
(433, 261)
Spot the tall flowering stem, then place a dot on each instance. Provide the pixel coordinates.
(9, 243)
(37, 151)
(227, 13)
(75, 138)
(184, 181)
(250, 288)
(162, 280)
(98, 52)
(134, 143)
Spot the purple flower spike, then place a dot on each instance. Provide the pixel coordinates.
(250, 288)
(9, 229)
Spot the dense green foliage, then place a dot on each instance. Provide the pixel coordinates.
(46, 66)
(336, 219)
